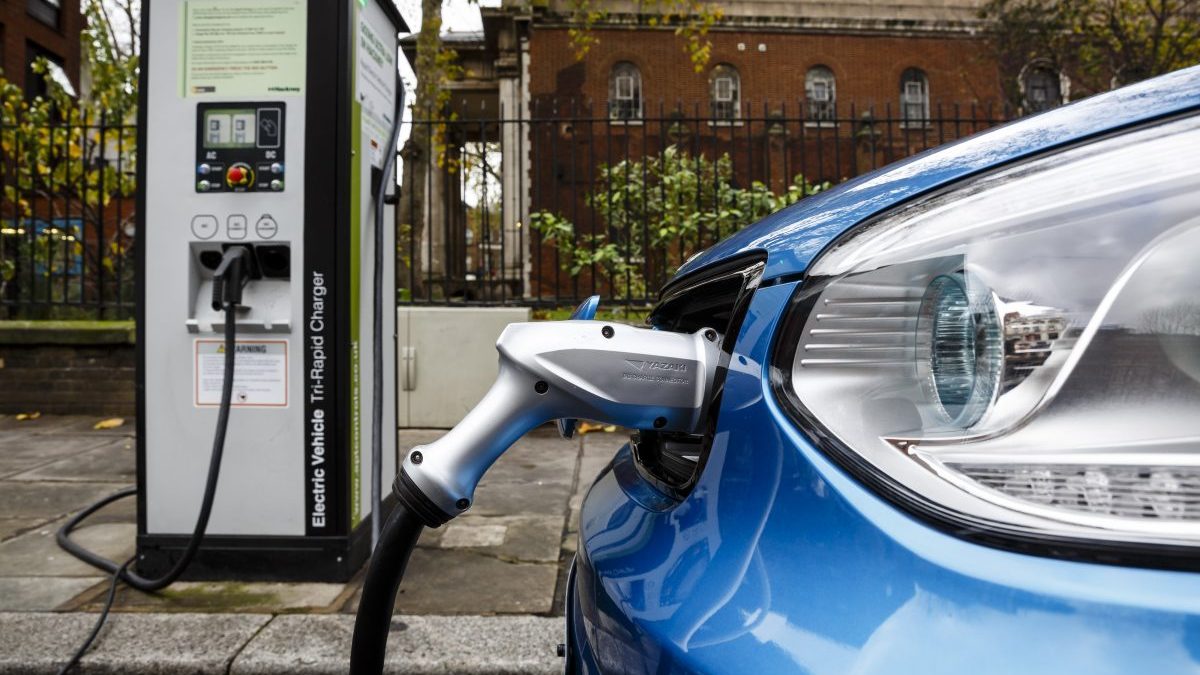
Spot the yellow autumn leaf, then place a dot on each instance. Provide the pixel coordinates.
(110, 423)
(587, 427)
(25, 417)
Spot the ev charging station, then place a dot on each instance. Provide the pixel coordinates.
(264, 124)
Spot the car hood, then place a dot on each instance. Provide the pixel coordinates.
(793, 236)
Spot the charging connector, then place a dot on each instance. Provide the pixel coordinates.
(231, 276)
(611, 373)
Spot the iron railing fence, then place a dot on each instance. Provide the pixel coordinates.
(67, 219)
(547, 208)
(543, 208)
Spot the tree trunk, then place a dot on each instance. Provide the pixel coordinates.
(410, 216)
(411, 219)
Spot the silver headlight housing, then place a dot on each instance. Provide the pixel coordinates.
(1019, 356)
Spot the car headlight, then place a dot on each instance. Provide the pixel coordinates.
(1020, 355)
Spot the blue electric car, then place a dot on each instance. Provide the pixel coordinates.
(957, 430)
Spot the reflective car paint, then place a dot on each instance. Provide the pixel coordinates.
(793, 236)
(780, 562)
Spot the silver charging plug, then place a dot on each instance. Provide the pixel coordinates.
(611, 373)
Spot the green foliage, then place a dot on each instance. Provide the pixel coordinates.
(692, 20)
(1100, 44)
(69, 157)
(633, 316)
(657, 212)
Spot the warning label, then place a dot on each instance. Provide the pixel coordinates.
(259, 378)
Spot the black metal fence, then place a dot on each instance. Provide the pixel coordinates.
(539, 209)
(549, 208)
(66, 219)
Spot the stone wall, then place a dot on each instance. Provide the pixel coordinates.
(67, 367)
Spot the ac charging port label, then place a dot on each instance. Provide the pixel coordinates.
(260, 375)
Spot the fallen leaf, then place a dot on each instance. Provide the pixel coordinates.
(110, 423)
(587, 427)
(25, 417)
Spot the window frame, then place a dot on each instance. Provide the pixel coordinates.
(918, 77)
(625, 109)
(818, 112)
(1053, 77)
(46, 12)
(725, 108)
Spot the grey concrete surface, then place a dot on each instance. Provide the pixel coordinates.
(224, 596)
(50, 499)
(31, 594)
(36, 554)
(482, 594)
(130, 644)
(113, 462)
(11, 527)
(416, 645)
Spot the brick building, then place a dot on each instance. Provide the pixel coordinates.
(822, 54)
(824, 89)
(40, 28)
(767, 53)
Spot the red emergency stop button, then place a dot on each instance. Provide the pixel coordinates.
(239, 175)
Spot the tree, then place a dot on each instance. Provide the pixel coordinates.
(67, 158)
(657, 212)
(692, 20)
(1099, 44)
(425, 153)
(434, 70)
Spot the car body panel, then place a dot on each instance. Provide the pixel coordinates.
(778, 561)
(793, 236)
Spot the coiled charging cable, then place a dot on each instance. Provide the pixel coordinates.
(229, 279)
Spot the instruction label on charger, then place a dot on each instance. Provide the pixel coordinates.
(240, 49)
(260, 375)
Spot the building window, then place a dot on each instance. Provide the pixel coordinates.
(625, 92)
(46, 11)
(726, 90)
(35, 83)
(914, 97)
(821, 91)
(1041, 88)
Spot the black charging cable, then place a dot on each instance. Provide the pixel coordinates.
(230, 277)
(373, 622)
(393, 540)
(386, 182)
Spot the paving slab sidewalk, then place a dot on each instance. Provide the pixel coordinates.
(482, 594)
(263, 644)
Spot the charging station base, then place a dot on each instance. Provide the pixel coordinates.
(259, 558)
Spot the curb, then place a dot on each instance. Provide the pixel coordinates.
(263, 644)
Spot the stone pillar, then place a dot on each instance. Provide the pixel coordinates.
(512, 73)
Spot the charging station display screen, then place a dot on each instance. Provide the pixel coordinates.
(240, 147)
(229, 128)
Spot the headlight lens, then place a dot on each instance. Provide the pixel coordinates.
(1024, 350)
(960, 349)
